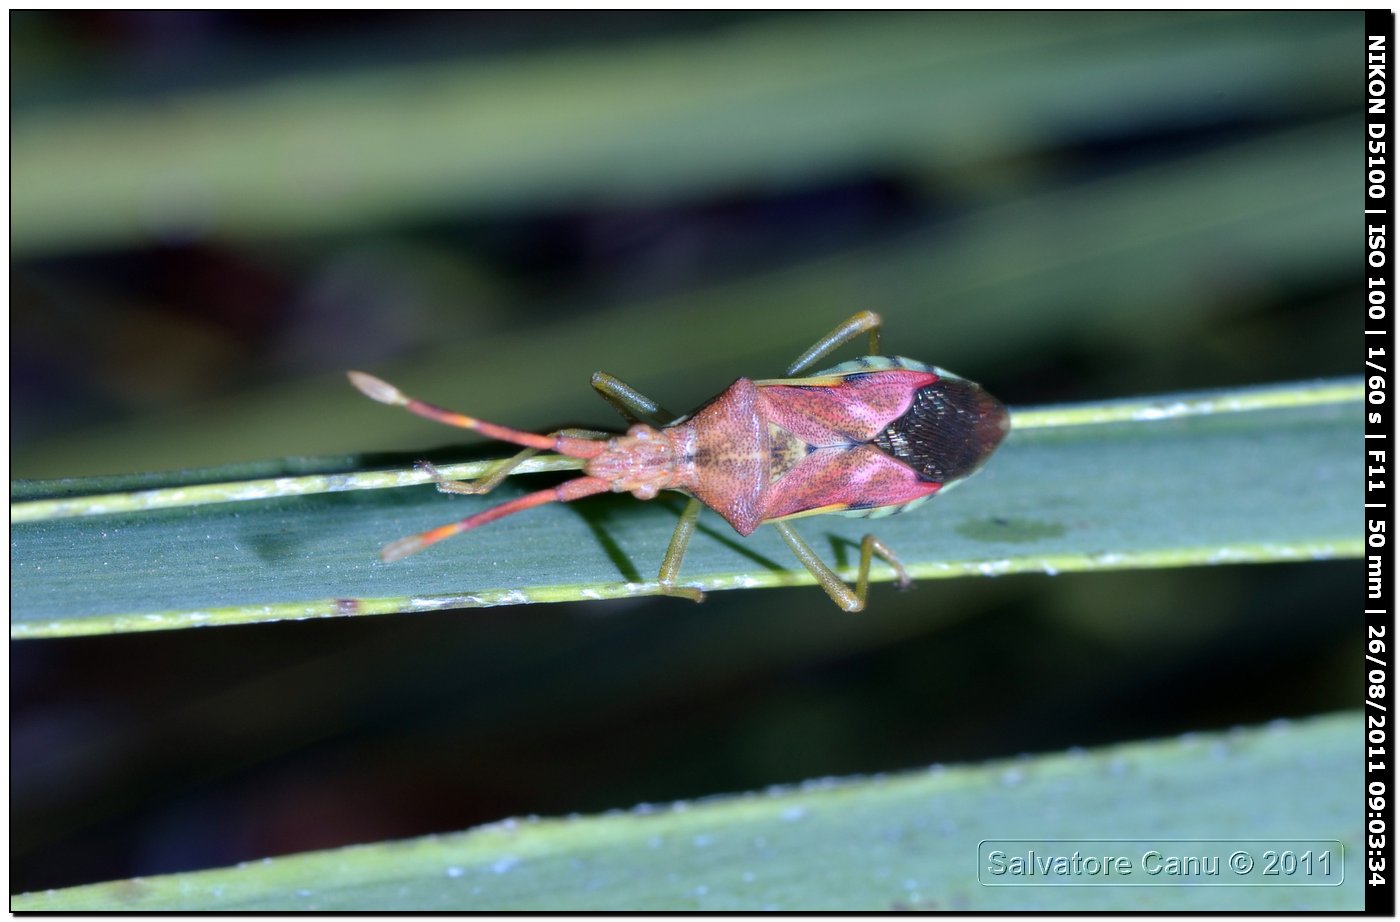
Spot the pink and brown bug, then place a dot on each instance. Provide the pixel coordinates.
(869, 437)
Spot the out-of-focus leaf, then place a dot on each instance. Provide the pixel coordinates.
(902, 842)
(792, 97)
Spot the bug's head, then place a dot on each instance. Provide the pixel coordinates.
(950, 429)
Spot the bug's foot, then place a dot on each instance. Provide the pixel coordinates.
(683, 592)
(870, 545)
(449, 486)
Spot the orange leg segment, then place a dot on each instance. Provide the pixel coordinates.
(384, 392)
(567, 491)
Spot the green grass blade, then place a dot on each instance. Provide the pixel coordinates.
(133, 499)
(907, 841)
(1150, 490)
(200, 494)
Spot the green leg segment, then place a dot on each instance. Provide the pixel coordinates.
(501, 471)
(865, 321)
(634, 405)
(835, 587)
(630, 402)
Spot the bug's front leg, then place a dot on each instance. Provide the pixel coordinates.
(500, 472)
(637, 407)
(865, 321)
(835, 587)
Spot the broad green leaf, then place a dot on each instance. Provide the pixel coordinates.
(907, 841)
(1265, 474)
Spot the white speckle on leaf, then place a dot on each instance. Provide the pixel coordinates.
(455, 871)
(701, 841)
(503, 865)
(793, 814)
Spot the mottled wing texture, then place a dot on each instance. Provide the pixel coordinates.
(854, 407)
(868, 437)
(844, 478)
(949, 430)
(832, 421)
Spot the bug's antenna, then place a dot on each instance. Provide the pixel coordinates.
(384, 392)
(567, 491)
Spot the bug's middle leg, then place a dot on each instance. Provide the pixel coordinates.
(630, 402)
(500, 472)
(842, 594)
(675, 551)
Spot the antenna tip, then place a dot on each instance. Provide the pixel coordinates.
(375, 389)
(401, 548)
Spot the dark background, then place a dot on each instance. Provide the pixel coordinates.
(216, 332)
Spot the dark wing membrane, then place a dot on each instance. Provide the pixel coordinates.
(949, 430)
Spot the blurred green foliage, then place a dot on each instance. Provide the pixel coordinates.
(865, 844)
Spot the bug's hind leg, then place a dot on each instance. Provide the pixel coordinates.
(500, 472)
(865, 321)
(842, 594)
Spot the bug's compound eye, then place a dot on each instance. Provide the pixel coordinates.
(949, 430)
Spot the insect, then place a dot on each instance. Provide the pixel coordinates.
(868, 437)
